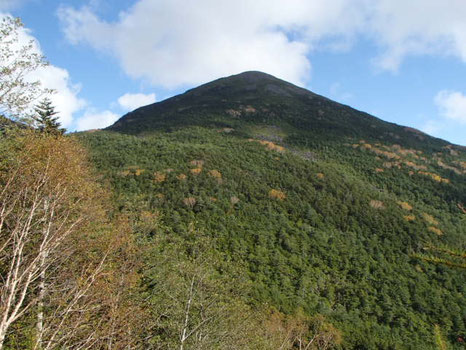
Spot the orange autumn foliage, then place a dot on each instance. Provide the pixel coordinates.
(277, 194)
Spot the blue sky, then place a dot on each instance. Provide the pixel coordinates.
(405, 63)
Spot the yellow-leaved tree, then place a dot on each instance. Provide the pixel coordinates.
(66, 270)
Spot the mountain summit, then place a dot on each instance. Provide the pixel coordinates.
(218, 97)
(251, 84)
(255, 98)
(347, 227)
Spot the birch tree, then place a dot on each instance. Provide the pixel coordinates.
(35, 219)
(17, 61)
(195, 303)
(298, 331)
(56, 263)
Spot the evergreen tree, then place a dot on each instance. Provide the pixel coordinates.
(46, 118)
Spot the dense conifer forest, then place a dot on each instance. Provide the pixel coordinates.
(298, 207)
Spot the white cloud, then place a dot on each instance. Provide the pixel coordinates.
(452, 105)
(65, 99)
(417, 27)
(96, 120)
(130, 102)
(172, 43)
(215, 39)
(93, 119)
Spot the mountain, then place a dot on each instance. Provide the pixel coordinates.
(327, 211)
(255, 98)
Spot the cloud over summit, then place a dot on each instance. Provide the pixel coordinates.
(173, 43)
(132, 101)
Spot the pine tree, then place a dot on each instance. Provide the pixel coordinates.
(46, 119)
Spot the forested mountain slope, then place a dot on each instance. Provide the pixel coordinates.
(325, 210)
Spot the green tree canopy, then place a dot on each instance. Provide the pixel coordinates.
(46, 119)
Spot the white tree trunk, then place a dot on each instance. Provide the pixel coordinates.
(184, 333)
(43, 253)
(2, 336)
(40, 302)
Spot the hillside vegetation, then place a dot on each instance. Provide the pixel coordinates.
(295, 210)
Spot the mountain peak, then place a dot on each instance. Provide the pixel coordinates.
(254, 74)
(252, 99)
(250, 83)
(215, 98)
